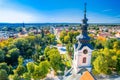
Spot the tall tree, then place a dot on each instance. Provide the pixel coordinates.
(20, 70)
(20, 60)
(41, 70)
(55, 59)
(47, 49)
(66, 39)
(100, 65)
(5, 67)
(3, 74)
(30, 67)
(118, 65)
(12, 55)
(2, 55)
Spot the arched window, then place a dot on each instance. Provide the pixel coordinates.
(84, 60)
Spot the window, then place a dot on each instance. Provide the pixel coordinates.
(85, 51)
(84, 60)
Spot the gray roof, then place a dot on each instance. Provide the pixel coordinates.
(71, 76)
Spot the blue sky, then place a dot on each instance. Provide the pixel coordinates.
(57, 11)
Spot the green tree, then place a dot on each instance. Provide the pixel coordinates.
(99, 45)
(22, 44)
(5, 67)
(55, 59)
(38, 39)
(29, 53)
(66, 39)
(76, 33)
(52, 38)
(31, 40)
(20, 70)
(95, 54)
(47, 49)
(62, 35)
(111, 57)
(38, 49)
(12, 55)
(35, 57)
(110, 43)
(44, 66)
(3, 74)
(116, 45)
(30, 67)
(71, 36)
(27, 76)
(11, 46)
(20, 60)
(100, 65)
(41, 70)
(118, 65)
(2, 55)
(16, 77)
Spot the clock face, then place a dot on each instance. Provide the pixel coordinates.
(85, 51)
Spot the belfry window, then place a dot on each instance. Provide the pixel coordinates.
(84, 60)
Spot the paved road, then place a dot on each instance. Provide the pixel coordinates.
(114, 77)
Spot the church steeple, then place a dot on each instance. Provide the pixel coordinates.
(85, 10)
(84, 24)
(83, 49)
(82, 53)
(83, 38)
(23, 25)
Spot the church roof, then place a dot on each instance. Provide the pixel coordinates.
(84, 75)
(87, 76)
(79, 46)
(84, 37)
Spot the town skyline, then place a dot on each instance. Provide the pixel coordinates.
(58, 51)
(54, 11)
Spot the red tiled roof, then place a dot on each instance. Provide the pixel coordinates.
(86, 76)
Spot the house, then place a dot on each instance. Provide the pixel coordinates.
(61, 49)
(104, 34)
(117, 35)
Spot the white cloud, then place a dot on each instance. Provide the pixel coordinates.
(13, 14)
(18, 16)
(107, 10)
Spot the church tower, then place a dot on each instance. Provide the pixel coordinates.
(83, 49)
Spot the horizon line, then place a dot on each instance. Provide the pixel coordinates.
(56, 22)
